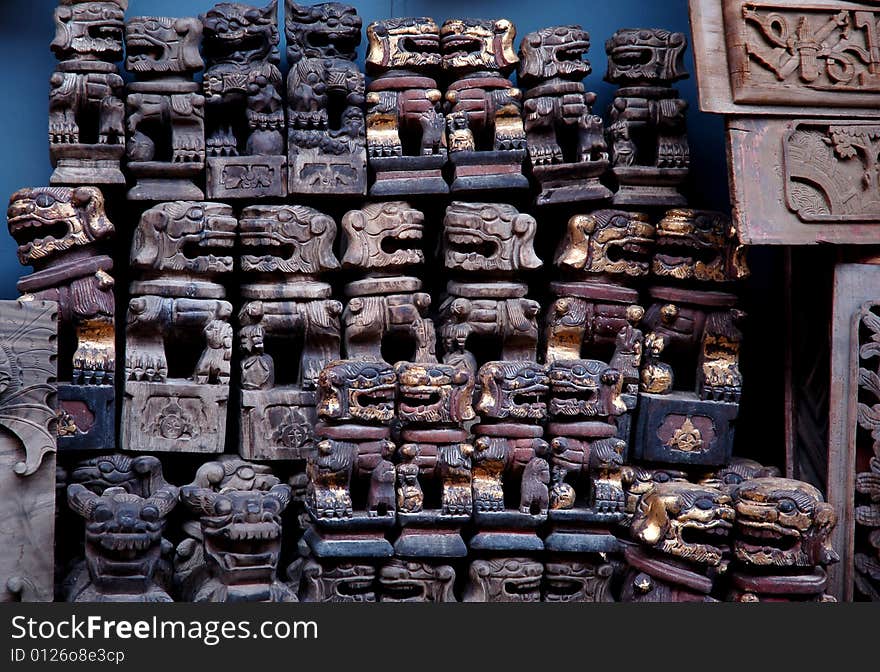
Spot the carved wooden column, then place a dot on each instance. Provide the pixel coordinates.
(165, 118)
(60, 231)
(485, 134)
(406, 127)
(28, 339)
(233, 552)
(286, 252)
(486, 249)
(86, 112)
(326, 139)
(649, 148)
(244, 111)
(178, 335)
(383, 242)
(566, 140)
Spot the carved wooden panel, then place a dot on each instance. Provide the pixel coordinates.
(774, 64)
(818, 182)
(27, 449)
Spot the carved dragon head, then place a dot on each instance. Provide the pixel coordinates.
(357, 390)
(475, 45)
(514, 389)
(405, 43)
(607, 241)
(699, 245)
(158, 45)
(557, 51)
(433, 393)
(291, 239)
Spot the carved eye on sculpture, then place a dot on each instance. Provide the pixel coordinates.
(195, 213)
(223, 506)
(704, 503)
(488, 214)
(370, 373)
(786, 505)
(271, 505)
(150, 513)
(619, 221)
(45, 200)
(151, 26)
(106, 467)
(732, 479)
(528, 374)
(246, 473)
(578, 370)
(102, 514)
(391, 209)
(661, 477)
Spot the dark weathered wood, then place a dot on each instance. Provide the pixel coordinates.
(566, 140)
(326, 139)
(28, 334)
(854, 286)
(244, 110)
(86, 111)
(164, 98)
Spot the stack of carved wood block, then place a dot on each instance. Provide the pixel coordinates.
(347, 449)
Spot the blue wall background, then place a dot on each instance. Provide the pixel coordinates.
(28, 28)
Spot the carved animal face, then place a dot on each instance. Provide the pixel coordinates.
(384, 236)
(504, 580)
(572, 581)
(241, 528)
(433, 393)
(326, 30)
(474, 45)
(407, 581)
(357, 390)
(342, 582)
(687, 521)
(738, 470)
(237, 33)
(645, 56)
(558, 51)
(156, 45)
(607, 241)
(699, 245)
(186, 236)
(140, 475)
(488, 237)
(287, 239)
(639, 480)
(513, 390)
(783, 523)
(406, 44)
(48, 221)
(89, 30)
(585, 388)
(123, 534)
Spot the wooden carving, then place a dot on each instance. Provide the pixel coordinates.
(511, 475)
(504, 579)
(434, 497)
(485, 134)
(125, 504)
(328, 580)
(781, 542)
(486, 248)
(383, 242)
(788, 53)
(681, 531)
(28, 333)
(351, 496)
(867, 480)
(165, 113)
(287, 252)
(326, 137)
(685, 412)
(566, 140)
(233, 556)
(244, 111)
(410, 581)
(60, 232)
(406, 127)
(86, 112)
(649, 148)
(178, 336)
